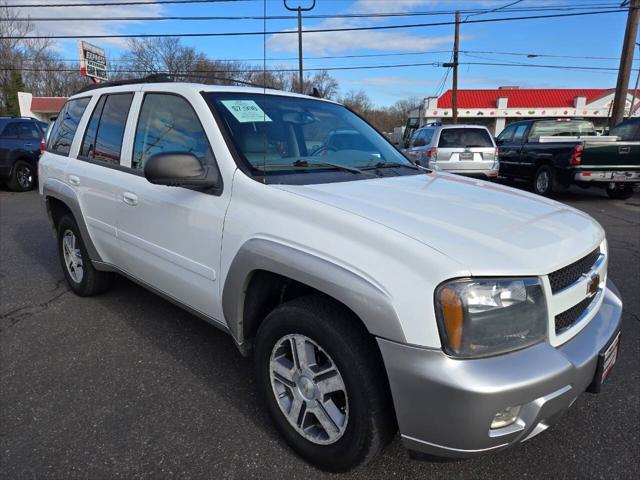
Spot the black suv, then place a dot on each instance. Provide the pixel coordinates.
(21, 143)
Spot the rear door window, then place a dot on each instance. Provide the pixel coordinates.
(110, 133)
(10, 131)
(464, 138)
(64, 129)
(519, 133)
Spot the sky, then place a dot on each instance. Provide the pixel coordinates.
(593, 36)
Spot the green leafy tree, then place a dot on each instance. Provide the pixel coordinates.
(10, 93)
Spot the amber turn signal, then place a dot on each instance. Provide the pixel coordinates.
(452, 316)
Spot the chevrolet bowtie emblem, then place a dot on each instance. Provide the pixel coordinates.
(593, 284)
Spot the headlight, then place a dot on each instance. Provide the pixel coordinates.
(481, 317)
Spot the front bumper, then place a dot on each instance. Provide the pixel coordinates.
(445, 406)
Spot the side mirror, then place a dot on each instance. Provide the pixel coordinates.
(179, 169)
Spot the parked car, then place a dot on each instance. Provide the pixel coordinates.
(21, 143)
(463, 149)
(628, 130)
(372, 294)
(553, 154)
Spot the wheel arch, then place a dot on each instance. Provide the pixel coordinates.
(264, 273)
(61, 199)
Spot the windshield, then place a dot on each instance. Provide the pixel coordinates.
(280, 138)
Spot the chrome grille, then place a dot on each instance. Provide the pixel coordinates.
(567, 318)
(566, 276)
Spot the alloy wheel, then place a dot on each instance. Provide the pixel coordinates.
(72, 256)
(24, 177)
(309, 389)
(542, 181)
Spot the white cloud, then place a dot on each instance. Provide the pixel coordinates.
(90, 27)
(384, 40)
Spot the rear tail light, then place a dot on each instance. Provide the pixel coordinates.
(576, 155)
(43, 145)
(432, 154)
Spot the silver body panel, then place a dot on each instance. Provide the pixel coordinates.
(445, 406)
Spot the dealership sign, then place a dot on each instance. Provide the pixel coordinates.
(93, 62)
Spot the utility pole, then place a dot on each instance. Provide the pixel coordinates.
(626, 60)
(635, 89)
(299, 9)
(456, 47)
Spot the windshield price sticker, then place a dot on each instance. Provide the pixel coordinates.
(246, 111)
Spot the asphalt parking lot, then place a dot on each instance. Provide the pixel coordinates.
(126, 385)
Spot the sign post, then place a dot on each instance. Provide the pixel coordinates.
(93, 62)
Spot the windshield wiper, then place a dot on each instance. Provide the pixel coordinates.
(337, 166)
(391, 165)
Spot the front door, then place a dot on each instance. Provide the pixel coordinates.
(170, 237)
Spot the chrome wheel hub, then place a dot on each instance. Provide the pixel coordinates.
(24, 176)
(72, 256)
(542, 182)
(309, 389)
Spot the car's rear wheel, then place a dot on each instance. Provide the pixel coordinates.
(543, 181)
(81, 276)
(623, 193)
(23, 177)
(324, 384)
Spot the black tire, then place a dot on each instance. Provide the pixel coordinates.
(23, 177)
(371, 420)
(92, 281)
(623, 193)
(544, 180)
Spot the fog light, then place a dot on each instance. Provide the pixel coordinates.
(505, 417)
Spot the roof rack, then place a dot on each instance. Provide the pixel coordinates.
(155, 78)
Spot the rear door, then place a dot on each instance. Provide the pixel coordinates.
(9, 143)
(30, 137)
(465, 148)
(171, 237)
(96, 173)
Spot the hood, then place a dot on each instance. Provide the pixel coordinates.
(488, 228)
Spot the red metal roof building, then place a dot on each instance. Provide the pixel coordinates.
(496, 108)
(42, 108)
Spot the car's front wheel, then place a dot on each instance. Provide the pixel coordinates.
(324, 383)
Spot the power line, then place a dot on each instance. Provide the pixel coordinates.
(310, 16)
(331, 68)
(108, 4)
(374, 55)
(320, 30)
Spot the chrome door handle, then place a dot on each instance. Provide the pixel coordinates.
(130, 198)
(74, 180)
(624, 150)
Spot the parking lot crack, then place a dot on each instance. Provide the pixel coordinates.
(14, 316)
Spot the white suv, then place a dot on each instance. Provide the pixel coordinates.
(373, 294)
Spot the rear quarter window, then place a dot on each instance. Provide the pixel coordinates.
(64, 129)
(465, 138)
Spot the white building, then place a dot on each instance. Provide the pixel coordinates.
(498, 107)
